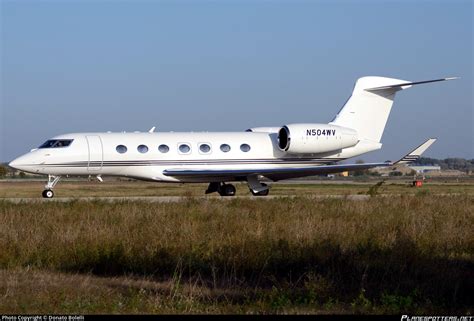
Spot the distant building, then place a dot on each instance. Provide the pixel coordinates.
(389, 170)
(425, 169)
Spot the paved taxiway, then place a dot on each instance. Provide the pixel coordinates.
(174, 199)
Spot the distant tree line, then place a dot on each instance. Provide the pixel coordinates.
(460, 164)
(6, 170)
(3, 170)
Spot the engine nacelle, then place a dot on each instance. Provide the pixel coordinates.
(315, 138)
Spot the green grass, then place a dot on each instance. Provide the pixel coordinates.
(295, 255)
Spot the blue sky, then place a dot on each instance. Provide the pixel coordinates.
(77, 66)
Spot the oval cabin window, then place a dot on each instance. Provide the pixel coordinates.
(245, 147)
(225, 148)
(184, 148)
(142, 149)
(205, 148)
(121, 149)
(163, 148)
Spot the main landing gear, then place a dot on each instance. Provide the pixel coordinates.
(255, 186)
(222, 188)
(48, 188)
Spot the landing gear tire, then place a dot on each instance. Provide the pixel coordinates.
(261, 193)
(227, 190)
(47, 193)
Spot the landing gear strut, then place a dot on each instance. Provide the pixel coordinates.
(52, 181)
(222, 188)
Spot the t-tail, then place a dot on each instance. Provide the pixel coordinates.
(368, 108)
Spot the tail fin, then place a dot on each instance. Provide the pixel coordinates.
(369, 106)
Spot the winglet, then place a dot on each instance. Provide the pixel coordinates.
(416, 153)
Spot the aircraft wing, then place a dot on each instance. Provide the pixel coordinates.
(276, 174)
(273, 174)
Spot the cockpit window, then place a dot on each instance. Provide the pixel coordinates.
(56, 143)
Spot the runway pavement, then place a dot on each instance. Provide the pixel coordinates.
(174, 199)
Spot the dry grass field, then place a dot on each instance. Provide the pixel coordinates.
(410, 253)
(112, 187)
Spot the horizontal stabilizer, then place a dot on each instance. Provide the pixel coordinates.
(405, 85)
(416, 153)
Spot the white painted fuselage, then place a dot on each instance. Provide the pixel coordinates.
(96, 154)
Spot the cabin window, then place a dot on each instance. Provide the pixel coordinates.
(184, 148)
(225, 148)
(245, 147)
(142, 149)
(56, 143)
(163, 148)
(121, 149)
(204, 148)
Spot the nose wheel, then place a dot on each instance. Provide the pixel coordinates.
(47, 193)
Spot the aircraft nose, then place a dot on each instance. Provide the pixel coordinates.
(21, 163)
(15, 163)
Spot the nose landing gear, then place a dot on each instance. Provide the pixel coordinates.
(48, 188)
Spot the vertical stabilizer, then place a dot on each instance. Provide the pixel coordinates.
(367, 112)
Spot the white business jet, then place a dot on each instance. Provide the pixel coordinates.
(263, 153)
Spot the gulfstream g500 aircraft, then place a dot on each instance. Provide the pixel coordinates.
(272, 153)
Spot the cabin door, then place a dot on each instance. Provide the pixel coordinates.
(94, 144)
